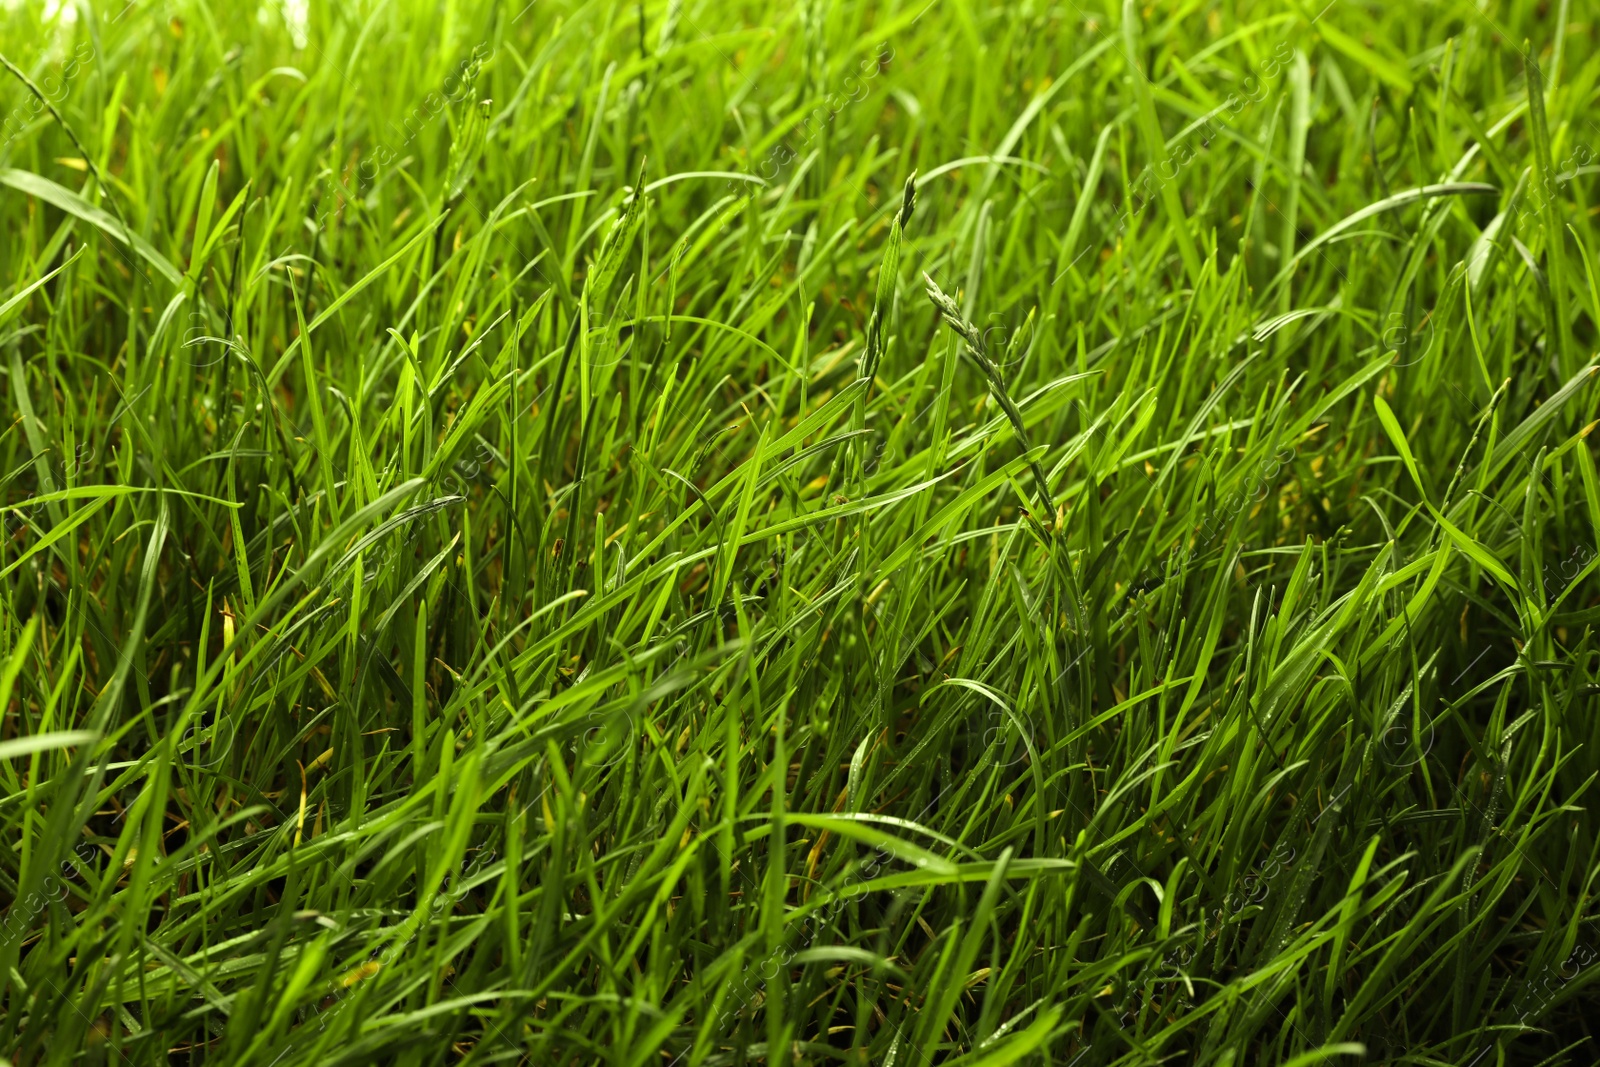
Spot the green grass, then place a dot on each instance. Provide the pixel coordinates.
(691, 532)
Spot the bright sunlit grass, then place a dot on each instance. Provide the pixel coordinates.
(704, 533)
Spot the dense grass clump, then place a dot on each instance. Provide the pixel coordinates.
(690, 532)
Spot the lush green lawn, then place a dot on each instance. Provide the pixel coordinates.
(695, 532)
